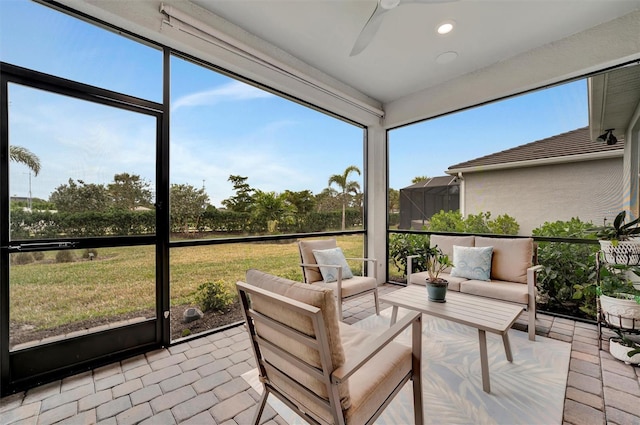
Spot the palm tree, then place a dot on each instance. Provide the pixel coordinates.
(26, 157)
(419, 179)
(346, 187)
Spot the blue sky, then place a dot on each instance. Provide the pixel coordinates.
(434, 145)
(220, 126)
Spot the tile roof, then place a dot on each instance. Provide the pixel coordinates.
(439, 181)
(576, 142)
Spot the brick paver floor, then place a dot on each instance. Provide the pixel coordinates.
(199, 382)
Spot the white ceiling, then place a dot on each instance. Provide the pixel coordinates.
(401, 59)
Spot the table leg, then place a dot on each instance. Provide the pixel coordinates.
(507, 346)
(394, 315)
(484, 361)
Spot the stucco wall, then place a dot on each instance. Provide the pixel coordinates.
(588, 190)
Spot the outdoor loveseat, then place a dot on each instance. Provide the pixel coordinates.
(512, 273)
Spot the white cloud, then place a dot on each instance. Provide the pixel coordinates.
(232, 91)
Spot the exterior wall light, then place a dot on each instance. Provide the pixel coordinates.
(608, 137)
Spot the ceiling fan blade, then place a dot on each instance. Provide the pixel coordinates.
(369, 30)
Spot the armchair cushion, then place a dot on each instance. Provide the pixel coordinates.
(511, 257)
(472, 262)
(371, 385)
(332, 256)
(312, 274)
(355, 285)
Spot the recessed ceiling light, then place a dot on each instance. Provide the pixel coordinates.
(446, 57)
(445, 27)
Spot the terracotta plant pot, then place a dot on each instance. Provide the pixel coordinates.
(437, 290)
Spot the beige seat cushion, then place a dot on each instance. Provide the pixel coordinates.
(507, 291)
(420, 278)
(313, 295)
(353, 286)
(312, 274)
(511, 257)
(446, 243)
(370, 385)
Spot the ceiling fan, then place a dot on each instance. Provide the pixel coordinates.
(373, 24)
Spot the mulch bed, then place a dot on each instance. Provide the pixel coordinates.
(20, 334)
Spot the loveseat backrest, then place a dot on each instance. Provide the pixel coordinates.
(446, 243)
(511, 257)
(297, 338)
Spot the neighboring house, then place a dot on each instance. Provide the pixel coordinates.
(564, 176)
(421, 200)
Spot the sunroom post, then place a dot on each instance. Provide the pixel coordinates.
(376, 166)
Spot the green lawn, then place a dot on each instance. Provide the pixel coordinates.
(46, 294)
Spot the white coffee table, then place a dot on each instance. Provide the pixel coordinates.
(484, 314)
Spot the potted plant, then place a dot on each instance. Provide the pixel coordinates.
(624, 348)
(616, 240)
(436, 262)
(618, 297)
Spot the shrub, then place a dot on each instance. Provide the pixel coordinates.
(452, 221)
(215, 296)
(394, 219)
(23, 258)
(38, 255)
(402, 245)
(478, 223)
(66, 256)
(504, 225)
(86, 252)
(446, 221)
(569, 268)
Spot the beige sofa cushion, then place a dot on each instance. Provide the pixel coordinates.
(506, 291)
(511, 257)
(312, 274)
(313, 295)
(446, 243)
(420, 278)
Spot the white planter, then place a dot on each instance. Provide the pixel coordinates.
(626, 252)
(621, 313)
(619, 351)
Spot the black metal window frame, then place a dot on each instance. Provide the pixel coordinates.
(11, 74)
(161, 239)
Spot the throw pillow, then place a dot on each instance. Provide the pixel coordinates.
(472, 262)
(333, 256)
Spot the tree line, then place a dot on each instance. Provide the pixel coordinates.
(126, 206)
